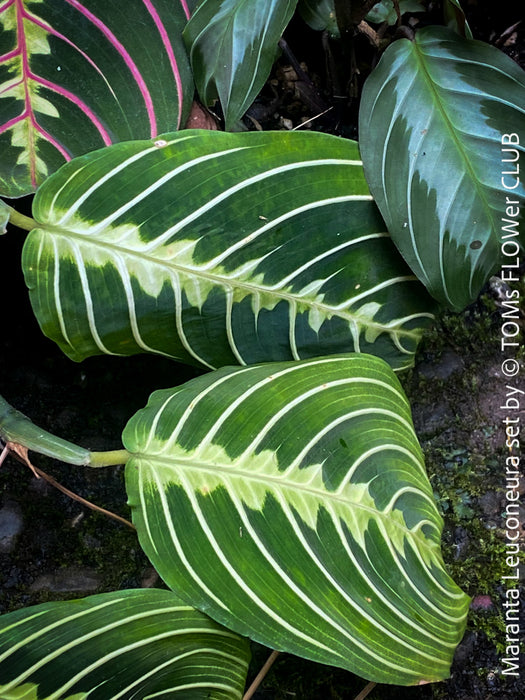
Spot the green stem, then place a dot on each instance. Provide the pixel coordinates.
(17, 428)
(18, 219)
(109, 458)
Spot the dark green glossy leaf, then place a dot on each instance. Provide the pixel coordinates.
(319, 15)
(441, 120)
(455, 18)
(232, 45)
(123, 645)
(290, 502)
(385, 10)
(4, 217)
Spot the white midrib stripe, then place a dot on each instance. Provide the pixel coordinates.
(241, 583)
(252, 289)
(439, 101)
(270, 482)
(214, 201)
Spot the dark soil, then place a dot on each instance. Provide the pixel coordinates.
(54, 548)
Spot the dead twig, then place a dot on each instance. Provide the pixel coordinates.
(20, 452)
(300, 126)
(259, 677)
(364, 28)
(366, 691)
(4, 453)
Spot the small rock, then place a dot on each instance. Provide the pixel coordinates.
(491, 504)
(431, 420)
(461, 542)
(150, 578)
(448, 364)
(13, 578)
(11, 524)
(465, 649)
(68, 580)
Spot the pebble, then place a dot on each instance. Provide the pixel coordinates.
(71, 579)
(448, 364)
(11, 524)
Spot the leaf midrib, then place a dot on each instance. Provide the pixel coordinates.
(274, 481)
(235, 284)
(438, 100)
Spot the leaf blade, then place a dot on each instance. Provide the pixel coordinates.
(301, 539)
(261, 242)
(77, 76)
(437, 108)
(117, 645)
(232, 46)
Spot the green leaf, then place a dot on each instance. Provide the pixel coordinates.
(77, 76)
(385, 11)
(455, 18)
(19, 429)
(319, 15)
(290, 502)
(232, 45)
(220, 249)
(127, 644)
(432, 119)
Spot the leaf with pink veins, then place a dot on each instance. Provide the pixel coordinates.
(77, 76)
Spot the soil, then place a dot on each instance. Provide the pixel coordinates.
(54, 548)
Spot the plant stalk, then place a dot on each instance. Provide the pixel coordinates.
(18, 429)
(18, 219)
(108, 459)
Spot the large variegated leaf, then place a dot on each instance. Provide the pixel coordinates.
(128, 644)
(232, 45)
(440, 123)
(75, 76)
(220, 248)
(290, 502)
